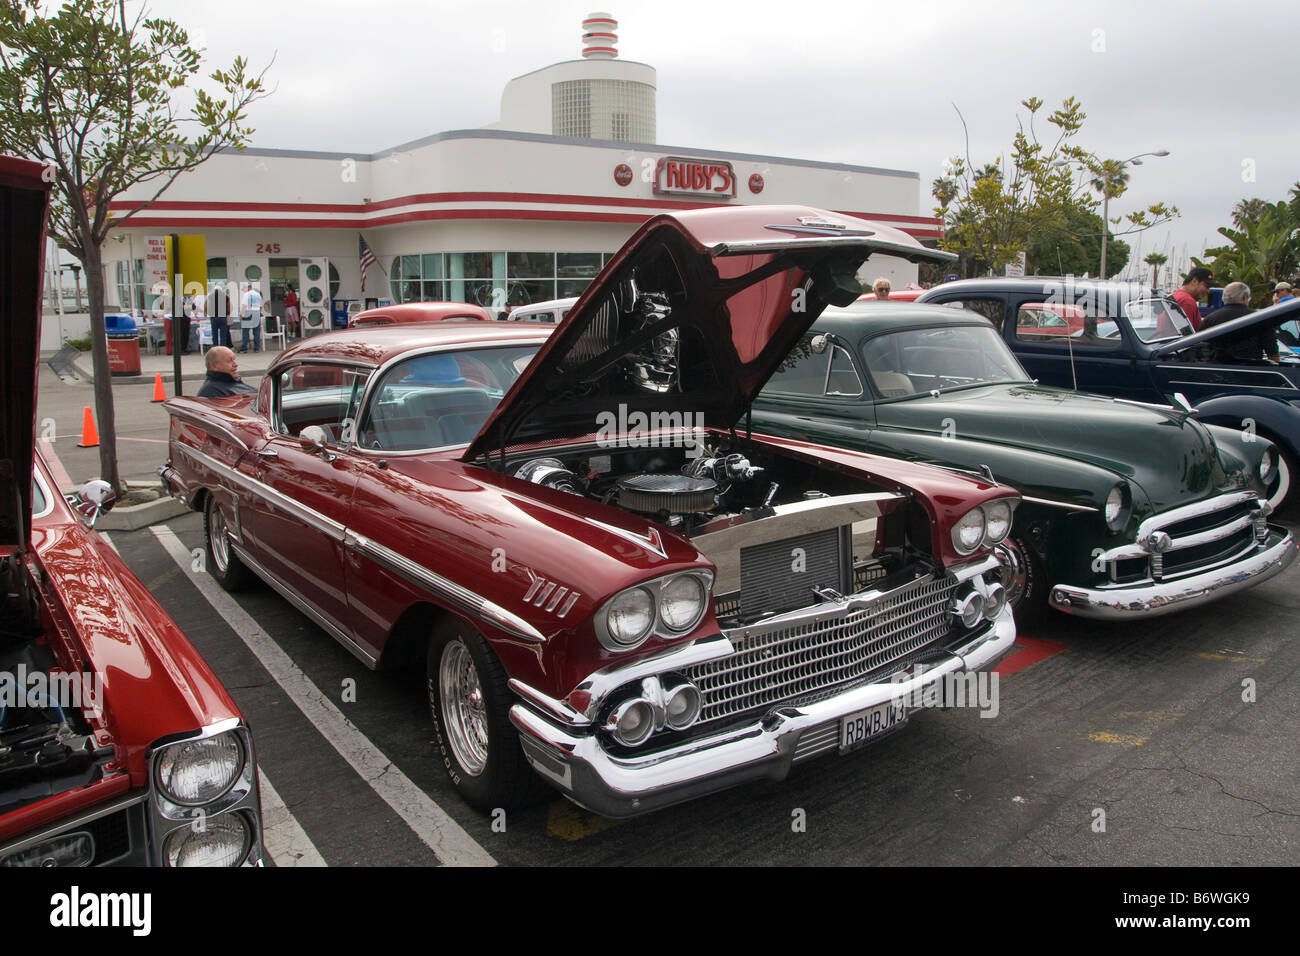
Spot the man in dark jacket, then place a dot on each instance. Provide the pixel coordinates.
(223, 375)
(1248, 345)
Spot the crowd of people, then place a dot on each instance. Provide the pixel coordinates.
(249, 310)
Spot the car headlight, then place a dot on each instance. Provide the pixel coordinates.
(629, 616)
(222, 840)
(681, 601)
(1268, 465)
(1117, 507)
(672, 604)
(968, 532)
(199, 771)
(997, 517)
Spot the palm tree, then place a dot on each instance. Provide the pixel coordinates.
(1155, 261)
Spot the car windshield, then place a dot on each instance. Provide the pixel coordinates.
(915, 361)
(1156, 319)
(439, 399)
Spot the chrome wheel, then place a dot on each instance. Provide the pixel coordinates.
(218, 543)
(464, 711)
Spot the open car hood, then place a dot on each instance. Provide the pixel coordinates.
(23, 201)
(1274, 315)
(691, 317)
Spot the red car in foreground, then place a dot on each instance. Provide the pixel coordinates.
(420, 312)
(118, 746)
(609, 583)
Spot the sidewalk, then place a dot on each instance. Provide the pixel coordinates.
(252, 365)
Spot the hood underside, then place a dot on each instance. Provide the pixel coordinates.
(690, 318)
(23, 200)
(1273, 316)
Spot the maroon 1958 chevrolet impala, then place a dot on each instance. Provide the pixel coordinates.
(118, 746)
(607, 577)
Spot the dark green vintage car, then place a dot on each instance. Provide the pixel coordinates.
(1129, 510)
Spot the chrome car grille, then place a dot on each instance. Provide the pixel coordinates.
(800, 661)
(1218, 530)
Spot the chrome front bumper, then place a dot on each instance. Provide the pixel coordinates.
(574, 759)
(1153, 598)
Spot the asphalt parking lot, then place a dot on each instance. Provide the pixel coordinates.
(1172, 742)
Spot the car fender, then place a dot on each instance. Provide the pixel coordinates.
(1279, 419)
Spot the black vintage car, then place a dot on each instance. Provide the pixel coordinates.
(1128, 341)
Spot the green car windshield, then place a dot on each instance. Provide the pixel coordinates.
(918, 361)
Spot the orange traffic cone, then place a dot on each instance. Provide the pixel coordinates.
(89, 434)
(158, 394)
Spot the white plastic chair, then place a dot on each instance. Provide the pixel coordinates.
(267, 334)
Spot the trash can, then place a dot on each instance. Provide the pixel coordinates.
(123, 345)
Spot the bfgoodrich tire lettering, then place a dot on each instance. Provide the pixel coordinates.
(1024, 580)
(469, 700)
(223, 563)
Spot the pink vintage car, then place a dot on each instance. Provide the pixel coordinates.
(612, 586)
(406, 312)
(115, 736)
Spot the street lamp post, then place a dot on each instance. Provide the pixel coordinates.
(1105, 191)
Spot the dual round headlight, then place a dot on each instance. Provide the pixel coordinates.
(222, 840)
(199, 771)
(672, 604)
(986, 524)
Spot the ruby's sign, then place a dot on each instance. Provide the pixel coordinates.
(711, 177)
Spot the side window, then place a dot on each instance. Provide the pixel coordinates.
(1066, 326)
(843, 380)
(324, 395)
(994, 310)
(802, 373)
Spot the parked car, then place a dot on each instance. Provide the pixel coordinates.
(895, 295)
(405, 312)
(115, 737)
(1144, 350)
(603, 565)
(1129, 511)
(551, 311)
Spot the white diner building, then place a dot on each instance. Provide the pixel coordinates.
(524, 210)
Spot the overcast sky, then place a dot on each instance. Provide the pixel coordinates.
(867, 83)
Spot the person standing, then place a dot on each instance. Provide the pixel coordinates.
(291, 310)
(1195, 287)
(1249, 344)
(250, 318)
(218, 314)
(181, 323)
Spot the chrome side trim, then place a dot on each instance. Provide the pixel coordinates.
(965, 572)
(449, 591)
(1058, 504)
(318, 617)
(1286, 383)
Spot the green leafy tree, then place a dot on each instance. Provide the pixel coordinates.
(1069, 243)
(100, 98)
(1264, 249)
(1035, 199)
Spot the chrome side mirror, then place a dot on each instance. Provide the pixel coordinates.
(94, 498)
(313, 439)
(819, 343)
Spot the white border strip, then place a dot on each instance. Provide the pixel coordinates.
(439, 832)
(283, 837)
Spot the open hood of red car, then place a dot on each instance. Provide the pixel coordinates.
(691, 317)
(23, 201)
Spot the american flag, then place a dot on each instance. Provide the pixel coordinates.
(367, 260)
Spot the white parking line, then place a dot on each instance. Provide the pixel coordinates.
(285, 840)
(440, 833)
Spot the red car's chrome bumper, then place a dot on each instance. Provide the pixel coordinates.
(578, 763)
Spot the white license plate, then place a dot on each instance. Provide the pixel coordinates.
(857, 729)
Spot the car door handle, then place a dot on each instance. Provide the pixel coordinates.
(267, 453)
